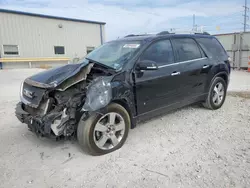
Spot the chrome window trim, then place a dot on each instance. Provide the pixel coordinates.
(182, 62)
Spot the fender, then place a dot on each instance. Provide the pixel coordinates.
(122, 93)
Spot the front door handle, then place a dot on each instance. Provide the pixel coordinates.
(175, 73)
(205, 66)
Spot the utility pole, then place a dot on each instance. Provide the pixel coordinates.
(194, 23)
(245, 16)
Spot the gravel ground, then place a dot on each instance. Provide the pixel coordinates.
(191, 147)
(240, 81)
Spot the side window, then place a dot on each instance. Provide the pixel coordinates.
(10, 50)
(212, 47)
(186, 49)
(59, 50)
(161, 52)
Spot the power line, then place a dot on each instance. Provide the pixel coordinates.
(225, 29)
(215, 21)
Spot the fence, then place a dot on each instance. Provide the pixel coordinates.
(237, 46)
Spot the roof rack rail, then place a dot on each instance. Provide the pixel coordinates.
(204, 33)
(194, 32)
(167, 33)
(163, 33)
(132, 35)
(183, 32)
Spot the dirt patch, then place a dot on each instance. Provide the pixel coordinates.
(242, 94)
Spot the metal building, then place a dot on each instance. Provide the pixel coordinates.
(237, 46)
(35, 40)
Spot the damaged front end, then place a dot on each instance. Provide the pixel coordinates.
(53, 101)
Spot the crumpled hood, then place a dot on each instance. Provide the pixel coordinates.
(54, 77)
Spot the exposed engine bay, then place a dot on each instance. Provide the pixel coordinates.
(53, 102)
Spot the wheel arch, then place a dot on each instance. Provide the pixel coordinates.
(224, 75)
(124, 104)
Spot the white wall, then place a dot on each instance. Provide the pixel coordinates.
(238, 47)
(36, 37)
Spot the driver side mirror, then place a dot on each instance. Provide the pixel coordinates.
(146, 65)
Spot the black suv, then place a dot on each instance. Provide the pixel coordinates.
(123, 81)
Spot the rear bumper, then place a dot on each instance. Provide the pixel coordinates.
(35, 124)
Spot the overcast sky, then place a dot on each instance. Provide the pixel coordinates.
(142, 16)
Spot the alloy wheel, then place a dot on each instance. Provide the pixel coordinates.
(109, 131)
(218, 93)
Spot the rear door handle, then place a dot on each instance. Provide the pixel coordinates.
(205, 66)
(175, 73)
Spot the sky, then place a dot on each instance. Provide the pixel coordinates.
(125, 17)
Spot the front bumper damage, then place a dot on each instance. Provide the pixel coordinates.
(42, 125)
(56, 111)
(34, 124)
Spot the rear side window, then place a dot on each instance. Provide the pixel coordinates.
(160, 52)
(212, 47)
(186, 49)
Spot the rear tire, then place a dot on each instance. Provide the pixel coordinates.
(91, 132)
(216, 95)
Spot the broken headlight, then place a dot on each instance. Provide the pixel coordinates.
(99, 94)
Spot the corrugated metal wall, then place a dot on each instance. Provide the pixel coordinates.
(36, 37)
(237, 46)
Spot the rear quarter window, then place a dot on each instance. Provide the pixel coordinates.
(213, 48)
(186, 49)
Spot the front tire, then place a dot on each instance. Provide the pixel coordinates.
(216, 95)
(102, 134)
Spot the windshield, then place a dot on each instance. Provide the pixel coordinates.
(114, 54)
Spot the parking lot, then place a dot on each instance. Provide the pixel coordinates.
(190, 147)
